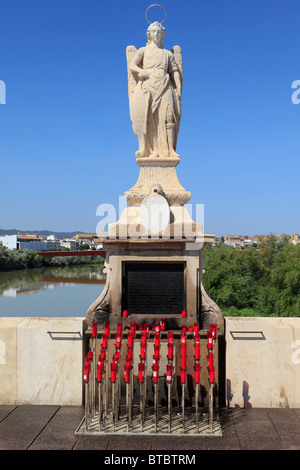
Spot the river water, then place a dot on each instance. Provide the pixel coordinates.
(50, 292)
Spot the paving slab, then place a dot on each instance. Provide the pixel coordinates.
(22, 426)
(59, 432)
(39, 427)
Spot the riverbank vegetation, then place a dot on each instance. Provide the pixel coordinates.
(255, 281)
(11, 260)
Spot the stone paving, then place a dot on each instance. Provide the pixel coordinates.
(39, 427)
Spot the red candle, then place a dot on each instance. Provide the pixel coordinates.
(183, 376)
(119, 327)
(143, 351)
(183, 345)
(133, 327)
(213, 329)
(125, 313)
(104, 341)
(127, 369)
(169, 373)
(141, 374)
(197, 347)
(86, 374)
(118, 341)
(210, 361)
(170, 352)
(107, 328)
(157, 339)
(212, 375)
(184, 313)
(163, 324)
(113, 375)
(99, 374)
(156, 353)
(130, 340)
(183, 361)
(196, 328)
(197, 373)
(170, 338)
(94, 329)
(103, 354)
(155, 372)
(209, 340)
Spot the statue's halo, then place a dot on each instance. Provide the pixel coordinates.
(156, 5)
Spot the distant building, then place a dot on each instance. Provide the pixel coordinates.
(69, 243)
(233, 240)
(29, 242)
(295, 239)
(85, 236)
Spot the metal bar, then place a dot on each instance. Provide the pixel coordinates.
(169, 407)
(106, 385)
(131, 396)
(197, 406)
(141, 405)
(155, 407)
(93, 381)
(86, 389)
(127, 404)
(100, 406)
(182, 407)
(113, 405)
(211, 388)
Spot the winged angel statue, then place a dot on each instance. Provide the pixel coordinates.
(154, 89)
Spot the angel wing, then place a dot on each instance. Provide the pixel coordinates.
(177, 53)
(132, 80)
(138, 99)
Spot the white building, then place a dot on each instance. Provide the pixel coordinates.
(27, 242)
(69, 243)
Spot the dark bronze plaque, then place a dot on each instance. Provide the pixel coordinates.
(154, 288)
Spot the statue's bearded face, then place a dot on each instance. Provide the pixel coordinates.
(156, 33)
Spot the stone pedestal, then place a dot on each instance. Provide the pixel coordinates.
(158, 173)
(172, 257)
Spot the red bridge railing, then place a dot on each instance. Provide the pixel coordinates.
(51, 254)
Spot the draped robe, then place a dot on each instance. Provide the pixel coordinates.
(154, 101)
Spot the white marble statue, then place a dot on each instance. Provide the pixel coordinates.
(154, 88)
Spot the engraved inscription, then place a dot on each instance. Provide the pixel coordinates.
(154, 288)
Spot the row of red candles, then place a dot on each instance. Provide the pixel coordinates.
(158, 327)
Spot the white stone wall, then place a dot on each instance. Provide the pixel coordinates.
(41, 360)
(263, 362)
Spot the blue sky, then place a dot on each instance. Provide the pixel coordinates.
(66, 141)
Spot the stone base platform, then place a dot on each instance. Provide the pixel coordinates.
(188, 427)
